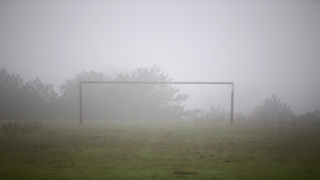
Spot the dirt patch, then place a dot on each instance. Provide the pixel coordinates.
(184, 172)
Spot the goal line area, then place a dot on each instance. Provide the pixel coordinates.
(155, 82)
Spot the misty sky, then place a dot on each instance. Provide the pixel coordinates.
(265, 47)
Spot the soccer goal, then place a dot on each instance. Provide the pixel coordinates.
(153, 82)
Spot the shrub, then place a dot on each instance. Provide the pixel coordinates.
(272, 111)
(11, 129)
(309, 118)
(215, 114)
(29, 126)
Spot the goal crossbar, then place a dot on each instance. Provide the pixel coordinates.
(154, 82)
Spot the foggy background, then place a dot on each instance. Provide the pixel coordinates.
(265, 47)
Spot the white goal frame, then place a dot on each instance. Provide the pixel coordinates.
(154, 82)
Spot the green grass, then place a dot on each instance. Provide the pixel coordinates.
(144, 150)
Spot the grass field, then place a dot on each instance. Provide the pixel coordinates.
(145, 150)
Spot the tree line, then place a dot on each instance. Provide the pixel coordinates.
(18, 100)
(37, 100)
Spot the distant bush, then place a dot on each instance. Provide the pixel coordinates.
(11, 129)
(217, 114)
(192, 115)
(29, 126)
(309, 119)
(273, 111)
(240, 118)
(214, 114)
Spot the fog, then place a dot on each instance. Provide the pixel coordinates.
(264, 47)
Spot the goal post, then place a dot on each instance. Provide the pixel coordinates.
(153, 82)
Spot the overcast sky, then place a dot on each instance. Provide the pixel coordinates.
(265, 47)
